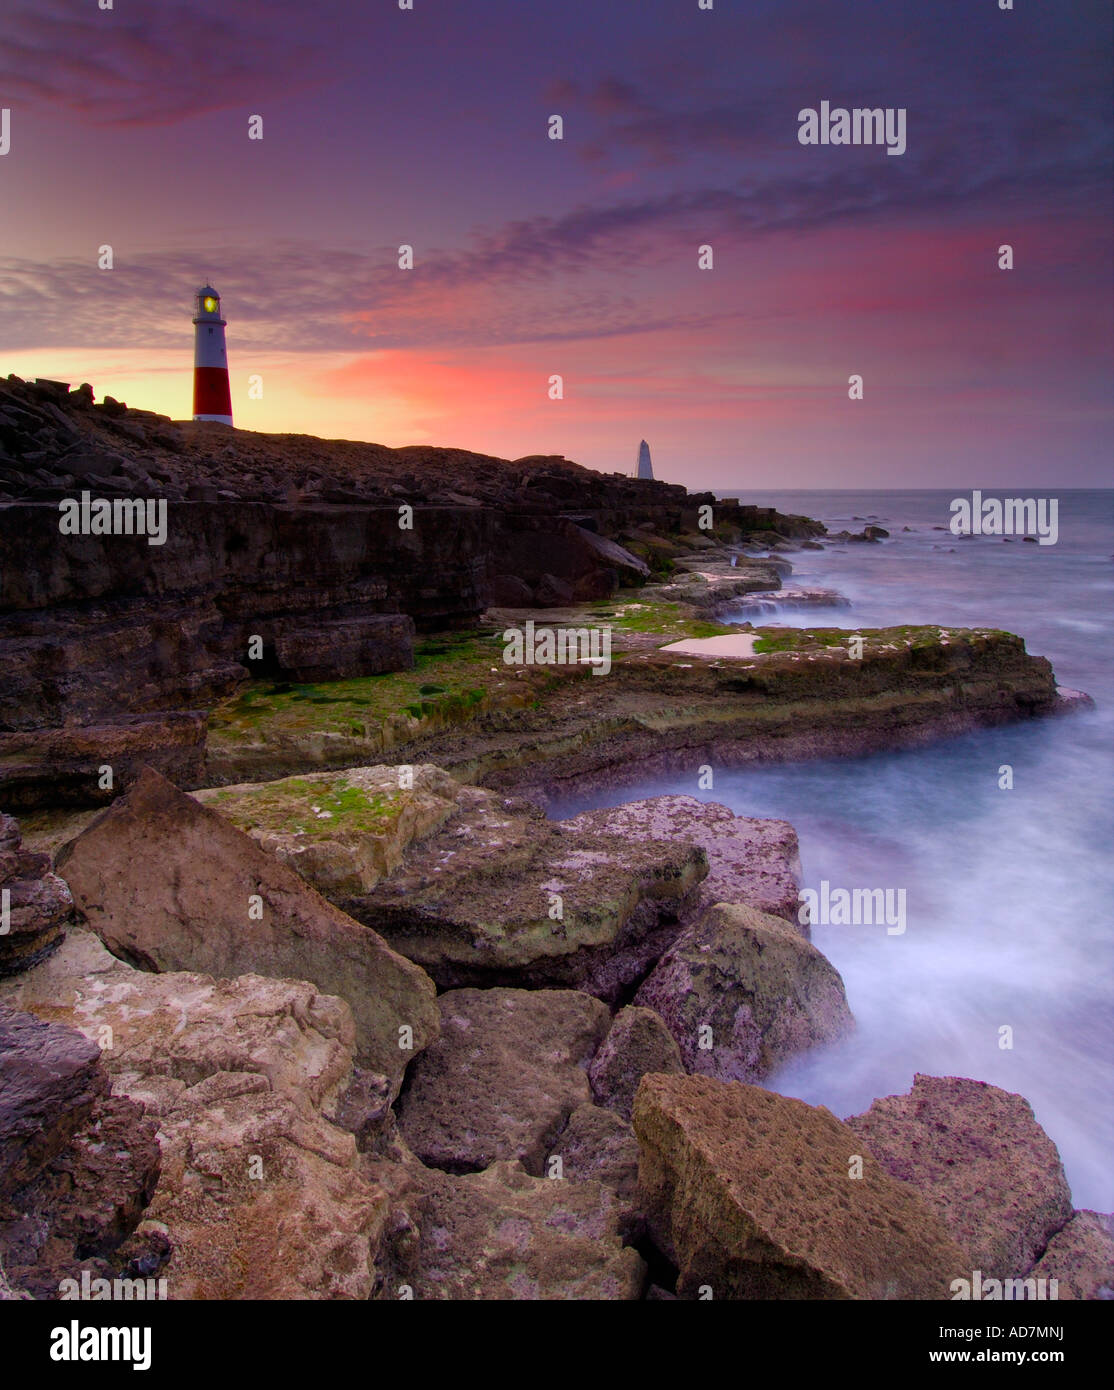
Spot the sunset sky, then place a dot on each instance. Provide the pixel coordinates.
(578, 257)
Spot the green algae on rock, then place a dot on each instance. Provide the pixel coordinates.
(801, 694)
(477, 888)
(169, 884)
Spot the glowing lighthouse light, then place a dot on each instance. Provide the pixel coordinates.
(212, 399)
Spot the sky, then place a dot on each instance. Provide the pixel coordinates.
(578, 257)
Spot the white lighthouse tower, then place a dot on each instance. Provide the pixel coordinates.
(212, 399)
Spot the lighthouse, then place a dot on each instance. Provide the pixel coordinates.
(212, 399)
(645, 467)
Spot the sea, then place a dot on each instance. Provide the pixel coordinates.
(1003, 839)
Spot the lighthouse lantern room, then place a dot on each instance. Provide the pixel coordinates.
(212, 399)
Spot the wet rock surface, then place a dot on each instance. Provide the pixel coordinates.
(980, 1160)
(742, 992)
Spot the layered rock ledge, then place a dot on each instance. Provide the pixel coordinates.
(193, 559)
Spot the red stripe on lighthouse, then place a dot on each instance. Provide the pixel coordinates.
(211, 394)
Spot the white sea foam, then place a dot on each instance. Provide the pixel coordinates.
(1009, 891)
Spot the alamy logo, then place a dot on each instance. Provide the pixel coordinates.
(563, 646)
(862, 125)
(853, 907)
(980, 1290)
(121, 1290)
(122, 516)
(77, 1343)
(1013, 516)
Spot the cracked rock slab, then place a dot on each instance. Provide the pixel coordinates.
(507, 1071)
(477, 888)
(261, 1194)
(502, 1234)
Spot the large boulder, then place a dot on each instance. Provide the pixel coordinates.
(159, 1034)
(508, 1069)
(754, 862)
(764, 992)
(261, 1194)
(169, 884)
(502, 1234)
(980, 1160)
(754, 1195)
(637, 1042)
(258, 1202)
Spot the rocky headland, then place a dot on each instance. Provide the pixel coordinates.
(302, 994)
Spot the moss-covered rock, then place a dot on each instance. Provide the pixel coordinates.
(169, 884)
(477, 888)
(801, 694)
(343, 831)
(742, 992)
